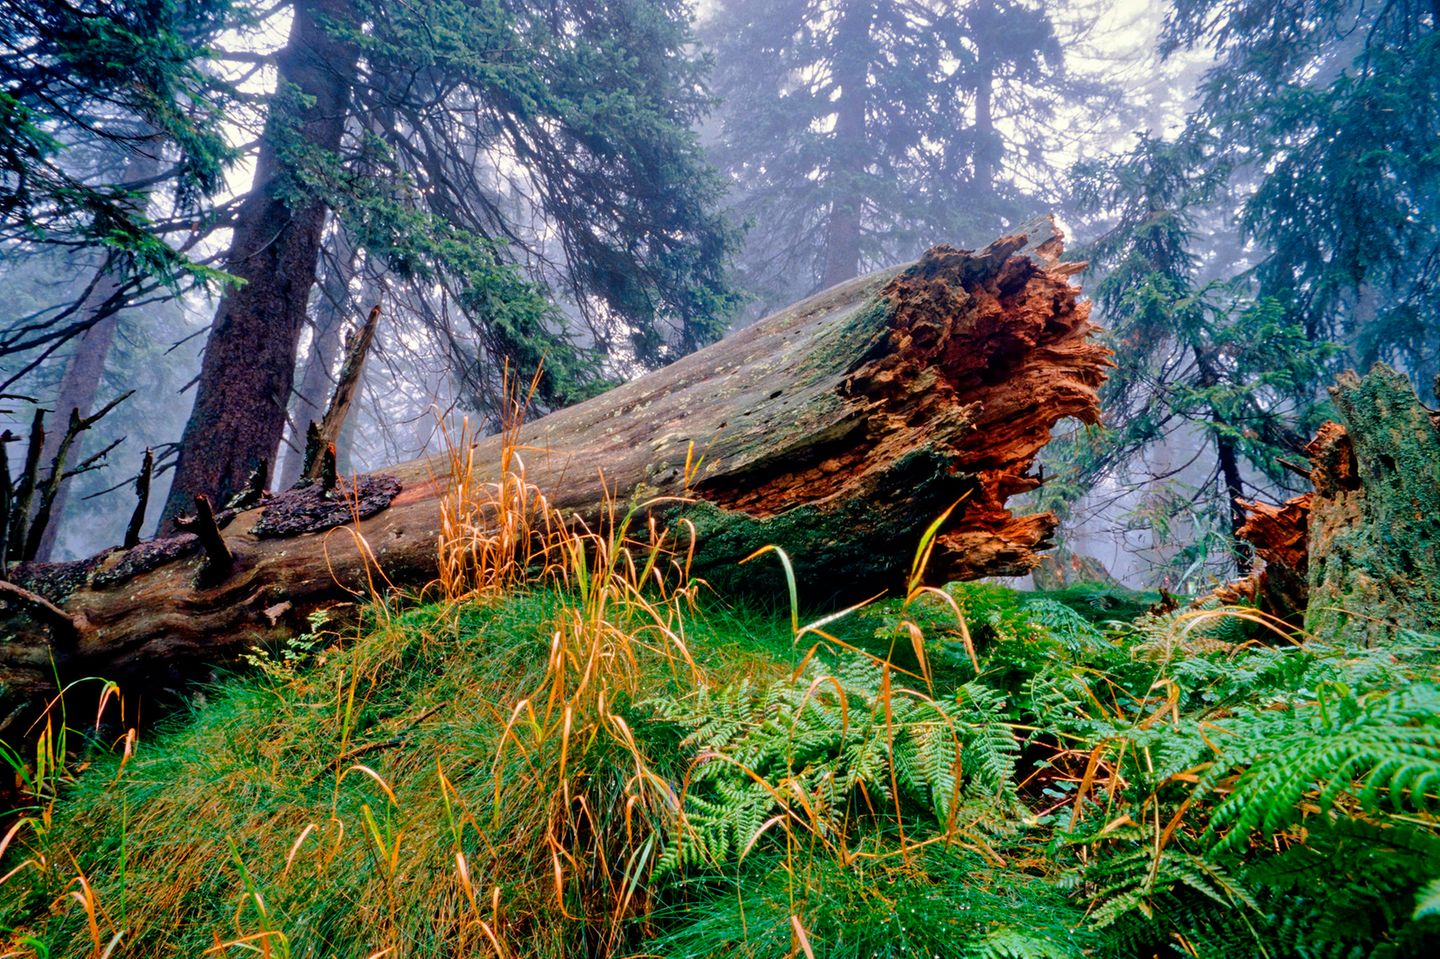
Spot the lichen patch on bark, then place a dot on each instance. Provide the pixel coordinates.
(312, 509)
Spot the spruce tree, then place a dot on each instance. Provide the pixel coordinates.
(859, 132)
(83, 85)
(1289, 229)
(491, 155)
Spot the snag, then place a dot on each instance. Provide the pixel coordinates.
(1360, 556)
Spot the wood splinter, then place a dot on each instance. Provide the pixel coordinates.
(219, 558)
(320, 439)
(142, 500)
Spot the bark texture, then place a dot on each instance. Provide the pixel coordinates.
(838, 428)
(1359, 557)
(249, 365)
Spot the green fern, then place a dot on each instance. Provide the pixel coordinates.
(829, 748)
(1355, 749)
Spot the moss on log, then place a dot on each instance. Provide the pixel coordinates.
(1375, 519)
(1360, 556)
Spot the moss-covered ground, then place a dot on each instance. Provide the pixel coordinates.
(433, 783)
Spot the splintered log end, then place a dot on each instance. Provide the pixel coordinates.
(1280, 535)
(1333, 469)
(1010, 341)
(970, 358)
(1359, 556)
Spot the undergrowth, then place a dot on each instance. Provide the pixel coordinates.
(1089, 792)
(572, 749)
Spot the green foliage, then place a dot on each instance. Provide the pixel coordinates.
(1286, 232)
(553, 143)
(1113, 790)
(943, 902)
(87, 81)
(815, 753)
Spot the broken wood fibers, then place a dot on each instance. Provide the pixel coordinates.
(838, 429)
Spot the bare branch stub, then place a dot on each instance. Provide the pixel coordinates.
(254, 492)
(24, 491)
(142, 499)
(77, 425)
(219, 558)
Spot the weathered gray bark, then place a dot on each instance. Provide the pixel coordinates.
(838, 429)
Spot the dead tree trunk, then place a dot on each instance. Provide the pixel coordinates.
(1359, 557)
(838, 428)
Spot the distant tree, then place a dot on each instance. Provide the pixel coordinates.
(111, 142)
(857, 132)
(1192, 351)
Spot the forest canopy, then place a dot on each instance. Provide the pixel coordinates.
(210, 194)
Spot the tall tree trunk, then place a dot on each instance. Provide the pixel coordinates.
(85, 366)
(848, 158)
(78, 387)
(1229, 458)
(1226, 452)
(249, 365)
(987, 147)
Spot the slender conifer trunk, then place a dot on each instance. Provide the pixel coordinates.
(842, 234)
(249, 366)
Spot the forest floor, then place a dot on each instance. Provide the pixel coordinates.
(610, 764)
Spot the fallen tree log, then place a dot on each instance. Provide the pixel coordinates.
(1358, 557)
(838, 428)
